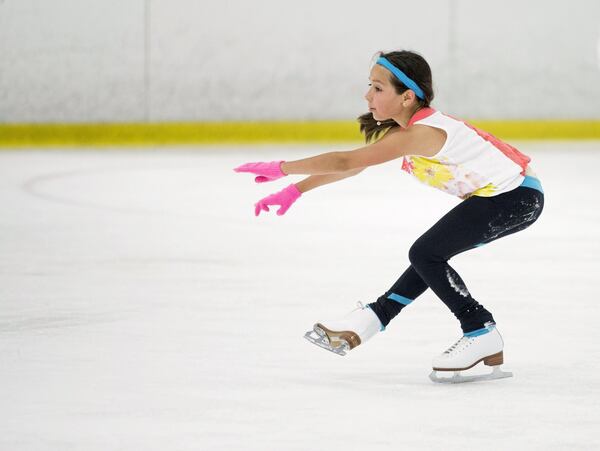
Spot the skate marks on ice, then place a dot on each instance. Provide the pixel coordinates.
(50, 187)
(71, 384)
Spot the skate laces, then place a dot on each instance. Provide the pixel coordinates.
(359, 306)
(459, 344)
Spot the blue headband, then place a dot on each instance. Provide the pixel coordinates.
(410, 84)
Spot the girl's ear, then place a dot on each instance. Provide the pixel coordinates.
(408, 96)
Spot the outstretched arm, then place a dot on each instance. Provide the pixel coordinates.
(333, 166)
(315, 181)
(415, 140)
(393, 145)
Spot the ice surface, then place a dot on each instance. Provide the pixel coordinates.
(144, 307)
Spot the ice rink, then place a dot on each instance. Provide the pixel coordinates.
(145, 307)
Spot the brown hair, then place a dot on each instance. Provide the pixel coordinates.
(416, 68)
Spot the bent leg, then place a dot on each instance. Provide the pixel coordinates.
(474, 222)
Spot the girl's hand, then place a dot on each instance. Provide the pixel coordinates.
(267, 172)
(286, 197)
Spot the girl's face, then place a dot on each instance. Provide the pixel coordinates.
(383, 100)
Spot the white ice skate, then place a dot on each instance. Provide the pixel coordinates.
(340, 336)
(484, 345)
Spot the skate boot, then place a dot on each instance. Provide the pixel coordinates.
(481, 345)
(340, 336)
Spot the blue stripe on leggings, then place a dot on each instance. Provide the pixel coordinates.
(400, 299)
(478, 332)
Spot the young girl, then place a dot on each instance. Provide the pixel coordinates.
(501, 195)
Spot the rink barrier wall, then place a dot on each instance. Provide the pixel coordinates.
(240, 133)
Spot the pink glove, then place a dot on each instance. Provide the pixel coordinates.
(286, 197)
(267, 172)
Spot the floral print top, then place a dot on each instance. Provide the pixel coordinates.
(471, 162)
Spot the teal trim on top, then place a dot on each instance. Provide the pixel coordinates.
(532, 182)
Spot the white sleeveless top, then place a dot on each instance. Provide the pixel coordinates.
(471, 162)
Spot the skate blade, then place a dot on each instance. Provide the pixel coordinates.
(322, 341)
(458, 378)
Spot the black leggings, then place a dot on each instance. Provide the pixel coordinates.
(475, 221)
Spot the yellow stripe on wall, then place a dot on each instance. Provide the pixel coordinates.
(200, 133)
(527, 129)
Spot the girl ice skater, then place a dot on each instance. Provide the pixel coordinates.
(501, 195)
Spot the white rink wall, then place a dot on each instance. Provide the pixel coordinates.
(180, 60)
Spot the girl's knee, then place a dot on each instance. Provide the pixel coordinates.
(419, 253)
